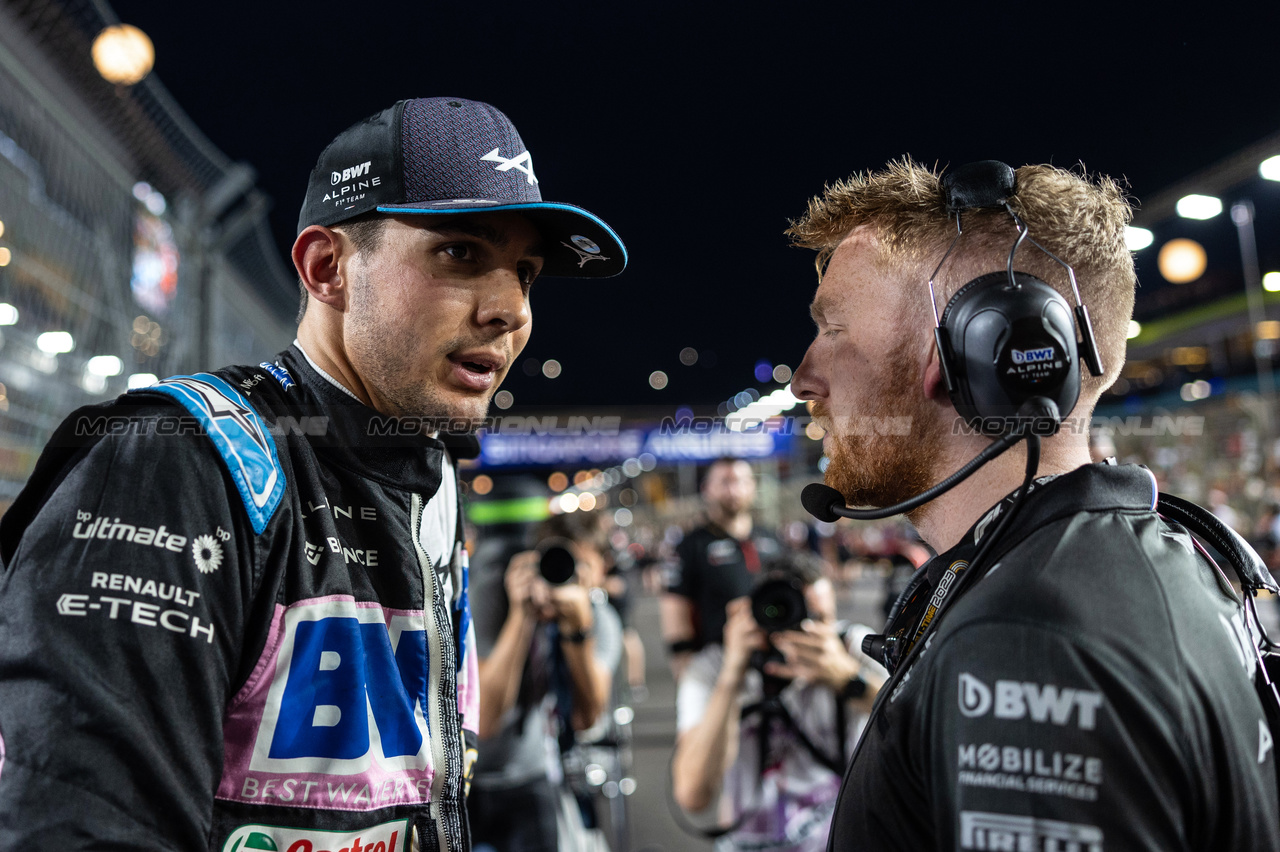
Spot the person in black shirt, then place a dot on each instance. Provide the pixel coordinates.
(1093, 690)
(716, 562)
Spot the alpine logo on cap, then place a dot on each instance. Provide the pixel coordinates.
(520, 162)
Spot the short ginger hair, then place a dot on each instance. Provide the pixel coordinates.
(1078, 217)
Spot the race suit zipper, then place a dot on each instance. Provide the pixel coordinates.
(436, 665)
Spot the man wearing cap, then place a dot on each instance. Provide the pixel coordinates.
(240, 621)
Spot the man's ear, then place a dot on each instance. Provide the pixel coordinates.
(316, 253)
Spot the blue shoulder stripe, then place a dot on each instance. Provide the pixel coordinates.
(246, 446)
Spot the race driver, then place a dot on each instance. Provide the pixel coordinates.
(233, 611)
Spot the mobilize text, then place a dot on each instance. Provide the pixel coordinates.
(1029, 770)
(1031, 761)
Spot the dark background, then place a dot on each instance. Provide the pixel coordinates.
(697, 130)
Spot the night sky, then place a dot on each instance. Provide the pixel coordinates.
(697, 130)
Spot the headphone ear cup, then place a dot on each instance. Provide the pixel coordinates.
(1006, 345)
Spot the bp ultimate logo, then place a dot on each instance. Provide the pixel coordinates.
(342, 720)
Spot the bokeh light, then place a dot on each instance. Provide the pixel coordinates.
(1181, 261)
(123, 54)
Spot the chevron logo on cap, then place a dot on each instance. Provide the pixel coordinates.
(522, 162)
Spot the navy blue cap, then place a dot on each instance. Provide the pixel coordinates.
(440, 156)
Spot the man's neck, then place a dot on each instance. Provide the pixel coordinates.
(944, 521)
(737, 525)
(329, 360)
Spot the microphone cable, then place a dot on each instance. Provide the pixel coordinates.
(821, 500)
(967, 578)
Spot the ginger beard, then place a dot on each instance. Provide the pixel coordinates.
(869, 465)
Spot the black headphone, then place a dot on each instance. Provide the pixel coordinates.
(1006, 343)
(1006, 337)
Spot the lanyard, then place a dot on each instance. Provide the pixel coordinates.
(945, 585)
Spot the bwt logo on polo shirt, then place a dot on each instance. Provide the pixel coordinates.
(336, 178)
(1013, 699)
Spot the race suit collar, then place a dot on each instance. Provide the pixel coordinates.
(360, 439)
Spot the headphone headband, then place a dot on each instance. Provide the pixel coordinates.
(1006, 336)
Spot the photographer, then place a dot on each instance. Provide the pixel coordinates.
(547, 655)
(715, 562)
(814, 678)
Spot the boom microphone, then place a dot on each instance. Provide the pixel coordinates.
(820, 501)
(826, 503)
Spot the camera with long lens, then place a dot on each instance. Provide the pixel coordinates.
(778, 603)
(556, 561)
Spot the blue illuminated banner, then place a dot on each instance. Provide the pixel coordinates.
(670, 443)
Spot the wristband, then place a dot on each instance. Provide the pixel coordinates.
(576, 638)
(855, 688)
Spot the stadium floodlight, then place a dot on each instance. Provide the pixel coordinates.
(55, 342)
(1271, 282)
(1270, 168)
(1199, 206)
(1135, 328)
(1136, 239)
(105, 365)
(142, 380)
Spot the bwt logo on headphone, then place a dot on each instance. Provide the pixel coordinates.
(336, 178)
(1014, 699)
(1032, 356)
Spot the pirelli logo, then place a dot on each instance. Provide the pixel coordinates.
(1006, 833)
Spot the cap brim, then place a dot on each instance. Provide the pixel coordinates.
(579, 244)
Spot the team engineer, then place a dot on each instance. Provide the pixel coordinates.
(220, 632)
(1093, 690)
